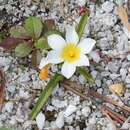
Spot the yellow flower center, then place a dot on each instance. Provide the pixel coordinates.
(70, 53)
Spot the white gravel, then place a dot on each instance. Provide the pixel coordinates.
(67, 110)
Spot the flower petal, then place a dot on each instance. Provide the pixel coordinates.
(54, 57)
(56, 42)
(68, 69)
(86, 45)
(43, 62)
(71, 35)
(83, 61)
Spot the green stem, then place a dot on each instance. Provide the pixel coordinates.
(86, 74)
(82, 24)
(45, 95)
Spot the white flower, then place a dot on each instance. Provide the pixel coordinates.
(68, 51)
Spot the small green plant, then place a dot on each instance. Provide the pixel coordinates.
(69, 53)
(30, 36)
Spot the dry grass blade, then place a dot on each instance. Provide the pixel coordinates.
(90, 93)
(114, 115)
(121, 11)
(71, 87)
(77, 89)
(109, 118)
(2, 88)
(109, 100)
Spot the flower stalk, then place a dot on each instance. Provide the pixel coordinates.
(45, 95)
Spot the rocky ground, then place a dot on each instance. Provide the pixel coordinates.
(64, 109)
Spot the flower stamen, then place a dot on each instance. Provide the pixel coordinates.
(70, 53)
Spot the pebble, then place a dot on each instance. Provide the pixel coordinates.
(113, 67)
(127, 80)
(13, 120)
(107, 6)
(59, 104)
(24, 78)
(95, 56)
(23, 93)
(40, 120)
(127, 32)
(70, 110)
(128, 57)
(109, 19)
(82, 2)
(94, 73)
(60, 120)
(82, 80)
(123, 73)
(111, 37)
(98, 82)
(75, 101)
(9, 107)
(33, 8)
(11, 88)
(69, 119)
(86, 111)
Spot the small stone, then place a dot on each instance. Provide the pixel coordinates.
(13, 120)
(109, 19)
(60, 120)
(100, 90)
(113, 67)
(70, 110)
(107, 6)
(82, 79)
(123, 73)
(75, 100)
(54, 68)
(5, 62)
(40, 120)
(69, 119)
(34, 8)
(128, 79)
(11, 88)
(9, 107)
(128, 57)
(59, 104)
(95, 56)
(127, 32)
(98, 82)
(23, 94)
(86, 111)
(94, 74)
(52, 124)
(82, 2)
(24, 78)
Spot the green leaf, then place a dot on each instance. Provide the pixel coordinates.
(45, 95)
(18, 32)
(33, 26)
(41, 43)
(2, 35)
(82, 24)
(23, 50)
(4, 128)
(86, 74)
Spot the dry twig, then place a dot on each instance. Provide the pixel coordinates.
(79, 90)
(2, 88)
